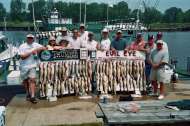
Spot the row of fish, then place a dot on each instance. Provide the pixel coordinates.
(65, 77)
(76, 76)
(120, 75)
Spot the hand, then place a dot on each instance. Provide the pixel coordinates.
(155, 66)
(34, 52)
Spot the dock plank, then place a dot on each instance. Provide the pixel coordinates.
(150, 112)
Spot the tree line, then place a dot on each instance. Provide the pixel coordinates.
(95, 12)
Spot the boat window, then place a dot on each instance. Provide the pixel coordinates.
(3, 46)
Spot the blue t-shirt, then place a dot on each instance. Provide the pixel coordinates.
(119, 44)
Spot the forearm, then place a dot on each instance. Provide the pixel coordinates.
(41, 49)
(26, 55)
(161, 64)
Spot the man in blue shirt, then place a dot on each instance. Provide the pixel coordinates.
(118, 43)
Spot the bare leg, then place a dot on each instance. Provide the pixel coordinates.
(161, 88)
(155, 86)
(26, 86)
(32, 86)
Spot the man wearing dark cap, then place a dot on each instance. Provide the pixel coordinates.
(159, 36)
(149, 47)
(28, 53)
(75, 40)
(91, 44)
(118, 43)
(138, 44)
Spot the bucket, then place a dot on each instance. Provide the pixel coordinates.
(165, 74)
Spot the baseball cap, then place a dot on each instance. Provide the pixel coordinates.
(119, 31)
(105, 30)
(52, 38)
(63, 29)
(159, 42)
(82, 25)
(30, 36)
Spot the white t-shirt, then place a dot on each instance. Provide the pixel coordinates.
(84, 36)
(59, 38)
(159, 56)
(105, 44)
(29, 62)
(90, 45)
(76, 43)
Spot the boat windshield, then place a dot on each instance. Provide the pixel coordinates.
(3, 46)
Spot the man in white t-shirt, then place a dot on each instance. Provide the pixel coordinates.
(28, 53)
(91, 44)
(64, 35)
(75, 40)
(83, 34)
(158, 58)
(105, 42)
(159, 37)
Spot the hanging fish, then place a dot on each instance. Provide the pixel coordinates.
(41, 72)
(121, 84)
(76, 85)
(118, 70)
(89, 69)
(63, 87)
(58, 88)
(105, 84)
(114, 85)
(89, 84)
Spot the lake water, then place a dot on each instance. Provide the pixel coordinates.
(178, 43)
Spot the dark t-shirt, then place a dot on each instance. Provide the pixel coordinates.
(119, 44)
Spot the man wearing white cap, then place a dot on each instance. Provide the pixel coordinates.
(105, 42)
(64, 35)
(118, 43)
(83, 34)
(159, 36)
(158, 58)
(28, 53)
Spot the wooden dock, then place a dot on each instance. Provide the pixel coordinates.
(72, 111)
(150, 112)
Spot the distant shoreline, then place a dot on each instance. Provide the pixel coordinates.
(42, 29)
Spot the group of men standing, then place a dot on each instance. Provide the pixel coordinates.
(156, 53)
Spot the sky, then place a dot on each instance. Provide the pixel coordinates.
(133, 4)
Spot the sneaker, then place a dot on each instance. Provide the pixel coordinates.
(33, 100)
(153, 94)
(28, 97)
(161, 97)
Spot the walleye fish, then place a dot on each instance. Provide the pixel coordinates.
(114, 85)
(41, 72)
(89, 69)
(105, 84)
(63, 87)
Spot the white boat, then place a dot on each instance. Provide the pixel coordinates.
(126, 27)
(7, 51)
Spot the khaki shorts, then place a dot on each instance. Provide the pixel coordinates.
(27, 73)
(156, 75)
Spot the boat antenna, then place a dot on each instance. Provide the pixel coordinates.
(85, 13)
(5, 23)
(107, 13)
(33, 15)
(80, 11)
